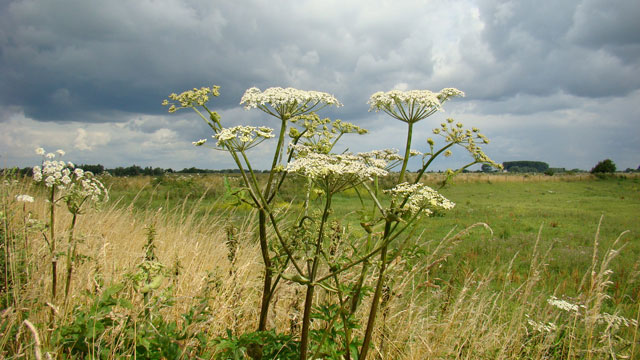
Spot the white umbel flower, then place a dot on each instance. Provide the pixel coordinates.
(333, 172)
(413, 105)
(277, 96)
(243, 137)
(419, 197)
(24, 198)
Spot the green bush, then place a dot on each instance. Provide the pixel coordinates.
(604, 166)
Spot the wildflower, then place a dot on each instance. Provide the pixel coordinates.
(467, 139)
(540, 326)
(24, 198)
(276, 96)
(50, 181)
(79, 185)
(243, 137)
(564, 305)
(384, 155)
(287, 103)
(40, 151)
(334, 172)
(419, 197)
(191, 98)
(320, 134)
(386, 158)
(37, 174)
(413, 105)
(199, 142)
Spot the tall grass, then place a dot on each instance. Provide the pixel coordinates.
(432, 308)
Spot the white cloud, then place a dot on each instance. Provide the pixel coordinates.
(87, 141)
(92, 78)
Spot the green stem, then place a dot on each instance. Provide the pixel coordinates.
(355, 296)
(7, 260)
(306, 319)
(268, 272)
(54, 259)
(425, 166)
(276, 156)
(267, 291)
(376, 296)
(345, 320)
(407, 153)
(71, 255)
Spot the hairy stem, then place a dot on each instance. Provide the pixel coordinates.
(71, 256)
(407, 153)
(376, 296)
(268, 272)
(54, 259)
(306, 319)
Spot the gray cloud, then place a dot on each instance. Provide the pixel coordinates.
(95, 73)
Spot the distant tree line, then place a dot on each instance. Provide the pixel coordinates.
(525, 166)
(133, 170)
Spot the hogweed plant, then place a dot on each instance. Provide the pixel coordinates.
(284, 104)
(77, 189)
(314, 251)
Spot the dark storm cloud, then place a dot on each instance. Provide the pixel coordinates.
(66, 59)
(569, 46)
(103, 68)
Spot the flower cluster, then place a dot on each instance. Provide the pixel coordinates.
(334, 172)
(610, 320)
(277, 96)
(564, 305)
(320, 134)
(389, 157)
(242, 137)
(80, 185)
(413, 105)
(191, 98)
(455, 133)
(446, 93)
(418, 197)
(24, 198)
(86, 186)
(54, 173)
(541, 327)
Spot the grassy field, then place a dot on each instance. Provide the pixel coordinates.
(488, 294)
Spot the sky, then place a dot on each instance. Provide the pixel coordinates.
(545, 80)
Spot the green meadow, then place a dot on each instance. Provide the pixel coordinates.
(495, 291)
(566, 212)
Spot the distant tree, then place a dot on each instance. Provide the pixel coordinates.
(487, 168)
(96, 169)
(525, 166)
(133, 170)
(604, 166)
